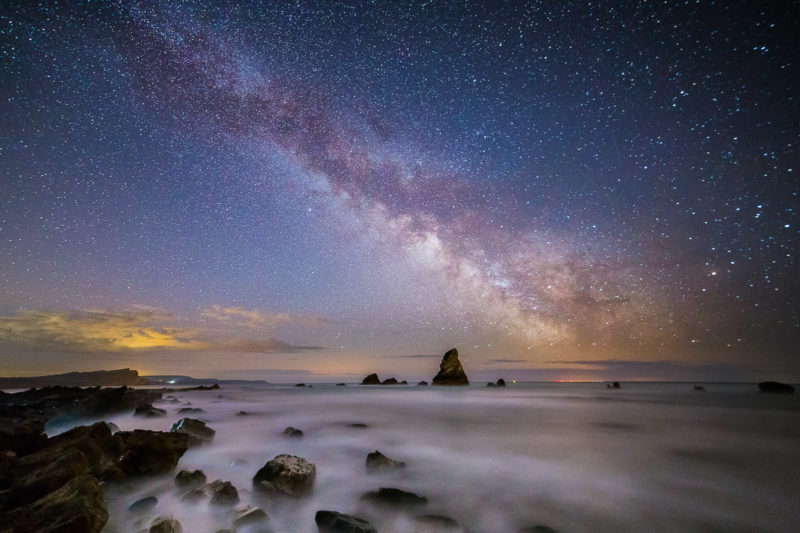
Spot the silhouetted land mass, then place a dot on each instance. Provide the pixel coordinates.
(102, 378)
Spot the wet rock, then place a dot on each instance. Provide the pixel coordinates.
(372, 379)
(166, 525)
(357, 425)
(377, 461)
(434, 523)
(194, 495)
(394, 498)
(290, 474)
(267, 489)
(195, 428)
(450, 370)
(148, 411)
(242, 413)
(616, 385)
(341, 384)
(699, 388)
(292, 432)
(190, 410)
(222, 492)
(152, 452)
(490, 384)
(190, 478)
(775, 387)
(422, 383)
(143, 505)
(300, 385)
(335, 522)
(21, 430)
(390, 381)
(248, 516)
(404, 382)
(501, 382)
(112, 427)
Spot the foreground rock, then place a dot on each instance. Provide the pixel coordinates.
(166, 525)
(222, 492)
(189, 479)
(372, 379)
(196, 428)
(288, 474)
(335, 522)
(376, 461)
(148, 411)
(450, 370)
(151, 452)
(394, 498)
(775, 387)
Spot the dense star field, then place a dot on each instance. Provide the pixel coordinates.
(562, 190)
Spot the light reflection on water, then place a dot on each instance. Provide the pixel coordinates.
(575, 457)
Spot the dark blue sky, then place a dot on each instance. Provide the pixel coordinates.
(331, 186)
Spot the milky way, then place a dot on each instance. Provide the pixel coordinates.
(534, 184)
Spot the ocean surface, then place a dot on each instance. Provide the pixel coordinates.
(572, 456)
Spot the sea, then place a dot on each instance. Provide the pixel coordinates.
(573, 457)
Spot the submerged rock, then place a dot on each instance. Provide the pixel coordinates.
(143, 505)
(501, 382)
(377, 461)
(450, 370)
(166, 525)
(291, 475)
(422, 383)
(148, 411)
(358, 425)
(222, 492)
(300, 385)
(434, 523)
(242, 413)
(335, 522)
(394, 498)
(293, 432)
(389, 381)
(248, 516)
(699, 388)
(187, 478)
(151, 452)
(190, 410)
(372, 379)
(341, 384)
(775, 387)
(196, 428)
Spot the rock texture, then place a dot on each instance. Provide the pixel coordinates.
(196, 428)
(222, 493)
(376, 461)
(151, 452)
(189, 479)
(335, 522)
(289, 474)
(450, 370)
(372, 379)
(148, 411)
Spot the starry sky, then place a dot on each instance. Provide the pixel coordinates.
(318, 190)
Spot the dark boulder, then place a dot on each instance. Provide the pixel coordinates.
(389, 381)
(249, 516)
(143, 505)
(152, 452)
(300, 385)
(291, 475)
(699, 388)
(775, 387)
(372, 379)
(195, 428)
(422, 383)
(187, 478)
(377, 461)
(394, 498)
(616, 385)
(404, 382)
(166, 525)
(148, 411)
(335, 522)
(293, 432)
(183, 410)
(222, 493)
(501, 382)
(358, 425)
(450, 370)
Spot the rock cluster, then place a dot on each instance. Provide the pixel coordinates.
(450, 370)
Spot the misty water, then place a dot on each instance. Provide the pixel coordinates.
(574, 457)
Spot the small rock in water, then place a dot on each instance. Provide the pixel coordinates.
(166, 525)
(249, 515)
(390, 381)
(434, 523)
(377, 461)
(292, 432)
(335, 522)
(242, 413)
(300, 385)
(194, 495)
(422, 383)
(490, 384)
(291, 475)
(187, 478)
(195, 428)
(341, 384)
(775, 387)
(147, 410)
(501, 382)
(190, 410)
(357, 425)
(538, 529)
(144, 505)
(450, 370)
(372, 379)
(151, 452)
(394, 498)
(223, 492)
(699, 388)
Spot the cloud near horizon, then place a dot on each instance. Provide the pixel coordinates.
(141, 328)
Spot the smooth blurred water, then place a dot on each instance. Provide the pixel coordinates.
(575, 457)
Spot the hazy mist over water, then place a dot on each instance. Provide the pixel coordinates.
(575, 457)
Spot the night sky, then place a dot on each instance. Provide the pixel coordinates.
(317, 190)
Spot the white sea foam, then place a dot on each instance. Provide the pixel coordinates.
(575, 457)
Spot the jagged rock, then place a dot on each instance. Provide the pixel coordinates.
(112, 427)
(372, 379)
(152, 452)
(190, 410)
(290, 474)
(450, 370)
(249, 515)
(143, 505)
(292, 432)
(187, 478)
(335, 522)
(222, 492)
(422, 383)
(434, 523)
(76, 506)
(377, 461)
(775, 387)
(242, 413)
(394, 498)
(389, 381)
(501, 382)
(166, 525)
(195, 428)
(21, 430)
(148, 411)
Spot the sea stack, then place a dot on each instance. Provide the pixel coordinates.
(450, 370)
